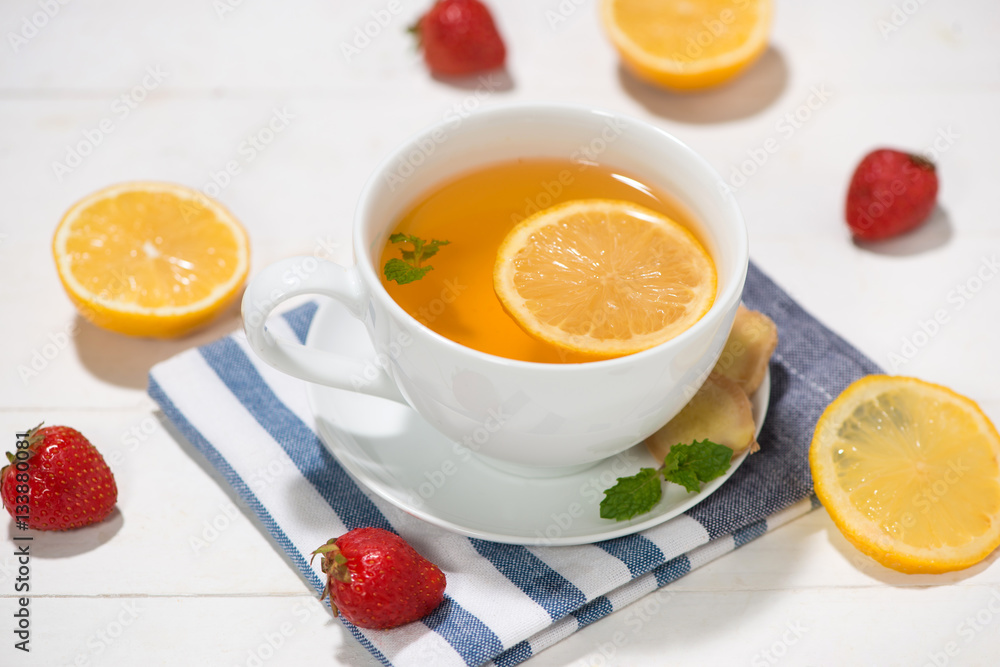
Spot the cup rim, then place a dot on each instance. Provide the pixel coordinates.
(373, 283)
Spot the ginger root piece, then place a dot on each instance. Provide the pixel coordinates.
(748, 350)
(720, 412)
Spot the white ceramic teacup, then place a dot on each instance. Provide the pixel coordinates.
(539, 418)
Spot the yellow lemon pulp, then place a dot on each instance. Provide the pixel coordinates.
(150, 259)
(688, 44)
(603, 277)
(910, 473)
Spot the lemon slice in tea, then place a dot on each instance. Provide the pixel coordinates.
(603, 277)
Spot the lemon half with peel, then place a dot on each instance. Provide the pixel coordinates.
(150, 259)
(688, 44)
(603, 278)
(910, 473)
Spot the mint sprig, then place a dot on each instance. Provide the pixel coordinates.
(409, 268)
(633, 495)
(702, 461)
(687, 465)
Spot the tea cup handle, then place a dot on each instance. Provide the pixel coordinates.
(297, 276)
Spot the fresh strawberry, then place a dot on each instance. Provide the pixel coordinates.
(377, 580)
(60, 482)
(459, 37)
(891, 192)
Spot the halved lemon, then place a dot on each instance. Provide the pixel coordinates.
(603, 277)
(910, 473)
(688, 44)
(150, 259)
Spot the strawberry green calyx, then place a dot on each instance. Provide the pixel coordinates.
(333, 564)
(30, 437)
(922, 162)
(33, 436)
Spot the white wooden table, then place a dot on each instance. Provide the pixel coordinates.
(183, 91)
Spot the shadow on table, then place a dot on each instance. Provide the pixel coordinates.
(496, 81)
(69, 543)
(879, 572)
(125, 361)
(934, 233)
(751, 92)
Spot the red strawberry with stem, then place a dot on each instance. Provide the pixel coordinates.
(459, 37)
(377, 580)
(57, 480)
(891, 192)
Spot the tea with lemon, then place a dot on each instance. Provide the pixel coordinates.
(474, 213)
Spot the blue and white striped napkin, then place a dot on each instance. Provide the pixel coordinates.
(504, 603)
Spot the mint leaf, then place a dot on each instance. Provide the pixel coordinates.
(701, 461)
(687, 465)
(685, 478)
(631, 496)
(430, 249)
(408, 269)
(402, 273)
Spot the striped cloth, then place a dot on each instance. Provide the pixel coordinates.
(504, 603)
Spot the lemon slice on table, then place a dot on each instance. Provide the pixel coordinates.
(688, 44)
(603, 277)
(910, 473)
(150, 259)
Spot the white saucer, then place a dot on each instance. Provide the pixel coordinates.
(390, 449)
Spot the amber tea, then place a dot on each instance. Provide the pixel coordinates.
(474, 212)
